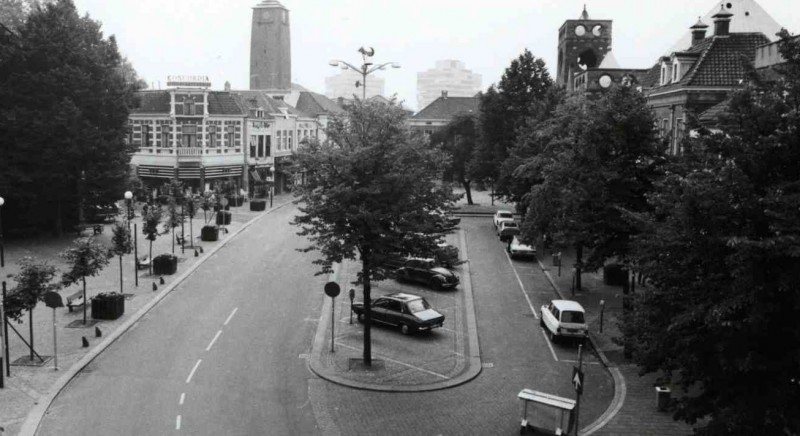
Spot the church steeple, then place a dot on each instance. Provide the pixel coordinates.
(584, 14)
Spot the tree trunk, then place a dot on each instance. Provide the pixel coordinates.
(173, 240)
(150, 265)
(84, 300)
(578, 263)
(30, 326)
(191, 233)
(468, 191)
(120, 273)
(367, 311)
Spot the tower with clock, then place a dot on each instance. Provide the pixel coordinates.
(582, 44)
(270, 49)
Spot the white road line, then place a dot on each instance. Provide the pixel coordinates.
(178, 423)
(230, 316)
(211, 344)
(183, 397)
(550, 345)
(188, 379)
(400, 363)
(521, 286)
(584, 362)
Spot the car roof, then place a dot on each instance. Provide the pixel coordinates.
(504, 211)
(568, 305)
(401, 296)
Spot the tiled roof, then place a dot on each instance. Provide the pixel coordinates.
(315, 104)
(224, 103)
(652, 77)
(150, 102)
(710, 116)
(256, 99)
(445, 108)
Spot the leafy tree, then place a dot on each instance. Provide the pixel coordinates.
(33, 281)
(600, 158)
(721, 251)
(207, 203)
(150, 222)
(86, 258)
(371, 193)
(173, 219)
(64, 107)
(13, 13)
(190, 207)
(457, 139)
(121, 244)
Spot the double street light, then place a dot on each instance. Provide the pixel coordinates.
(366, 68)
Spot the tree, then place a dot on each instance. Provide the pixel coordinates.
(33, 281)
(86, 258)
(720, 249)
(371, 192)
(600, 157)
(207, 202)
(173, 219)
(150, 222)
(13, 13)
(457, 139)
(121, 244)
(191, 206)
(64, 106)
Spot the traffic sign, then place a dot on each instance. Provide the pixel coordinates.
(332, 289)
(577, 380)
(53, 299)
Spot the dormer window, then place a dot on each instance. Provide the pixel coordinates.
(676, 71)
(666, 73)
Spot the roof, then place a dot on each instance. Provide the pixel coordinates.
(710, 116)
(317, 104)
(748, 17)
(260, 99)
(219, 103)
(568, 305)
(446, 108)
(722, 62)
(609, 61)
(152, 102)
(402, 296)
(224, 103)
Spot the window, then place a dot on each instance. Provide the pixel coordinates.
(165, 136)
(664, 127)
(129, 134)
(189, 136)
(268, 146)
(212, 136)
(569, 316)
(260, 145)
(231, 136)
(394, 306)
(676, 69)
(145, 135)
(278, 142)
(252, 145)
(291, 133)
(663, 80)
(188, 106)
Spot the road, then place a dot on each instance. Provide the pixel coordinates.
(224, 354)
(219, 355)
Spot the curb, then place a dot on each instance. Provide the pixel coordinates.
(34, 418)
(473, 360)
(620, 389)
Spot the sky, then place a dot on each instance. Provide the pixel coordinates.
(212, 37)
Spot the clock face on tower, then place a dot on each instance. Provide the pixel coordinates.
(580, 30)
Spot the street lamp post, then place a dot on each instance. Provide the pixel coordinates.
(272, 186)
(366, 68)
(128, 204)
(130, 215)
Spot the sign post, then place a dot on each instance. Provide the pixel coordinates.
(332, 290)
(577, 382)
(352, 297)
(53, 300)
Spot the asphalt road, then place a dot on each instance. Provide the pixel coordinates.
(220, 355)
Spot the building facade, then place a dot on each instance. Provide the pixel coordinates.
(447, 75)
(270, 49)
(441, 111)
(343, 85)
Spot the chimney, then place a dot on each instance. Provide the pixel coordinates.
(698, 31)
(444, 94)
(722, 22)
(227, 86)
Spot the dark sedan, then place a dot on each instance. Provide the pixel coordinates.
(410, 313)
(426, 271)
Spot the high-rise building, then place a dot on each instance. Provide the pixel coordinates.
(270, 49)
(450, 76)
(344, 85)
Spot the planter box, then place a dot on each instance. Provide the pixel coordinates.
(108, 306)
(258, 205)
(165, 264)
(235, 201)
(223, 218)
(209, 233)
(615, 275)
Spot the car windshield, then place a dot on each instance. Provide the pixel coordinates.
(572, 317)
(505, 215)
(510, 224)
(415, 306)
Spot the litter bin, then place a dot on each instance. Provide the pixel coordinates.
(663, 395)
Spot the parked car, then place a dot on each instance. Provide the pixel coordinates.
(410, 313)
(518, 249)
(101, 213)
(450, 221)
(426, 271)
(507, 230)
(502, 215)
(564, 318)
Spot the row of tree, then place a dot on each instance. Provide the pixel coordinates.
(715, 229)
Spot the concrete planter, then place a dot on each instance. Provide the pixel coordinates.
(209, 233)
(258, 205)
(108, 306)
(165, 264)
(223, 218)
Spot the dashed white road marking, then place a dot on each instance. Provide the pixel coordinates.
(211, 344)
(521, 286)
(231, 316)
(546, 339)
(178, 423)
(183, 397)
(188, 379)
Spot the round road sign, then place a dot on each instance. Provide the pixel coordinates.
(332, 289)
(223, 202)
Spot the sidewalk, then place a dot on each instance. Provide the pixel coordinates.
(28, 386)
(633, 411)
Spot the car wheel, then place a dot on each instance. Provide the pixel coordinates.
(437, 284)
(404, 329)
(541, 322)
(360, 317)
(552, 336)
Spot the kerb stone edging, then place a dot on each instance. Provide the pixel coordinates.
(474, 358)
(34, 418)
(620, 389)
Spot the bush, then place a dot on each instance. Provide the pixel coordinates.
(165, 264)
(615, 275)
(258, 205)
(209, 233)
(223, 218)
(108, 306)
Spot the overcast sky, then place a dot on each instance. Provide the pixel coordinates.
(212, 37)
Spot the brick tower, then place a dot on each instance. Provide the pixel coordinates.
(582, 44)
(270, 49)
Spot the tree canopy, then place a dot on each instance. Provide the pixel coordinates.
(458, 140)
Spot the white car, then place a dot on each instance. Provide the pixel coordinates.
(518, 249)
(502, 215)
(507, 230)
(564, 318)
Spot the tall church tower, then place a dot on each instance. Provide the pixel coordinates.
(582, 44)
(270, 49)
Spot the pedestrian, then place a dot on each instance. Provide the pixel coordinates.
(144, 209)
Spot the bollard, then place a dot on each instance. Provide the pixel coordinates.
(97, 332)
(155, 288)
(85, 342)
(602, 309)
(201, 249)
(161, 280)
(196, 253)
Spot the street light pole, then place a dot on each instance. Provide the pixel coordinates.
(366, 68)
(2, 253)
(272, 186)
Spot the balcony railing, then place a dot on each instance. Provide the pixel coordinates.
(190, 151)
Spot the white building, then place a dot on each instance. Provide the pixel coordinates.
(344, 85)
(450, 76)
